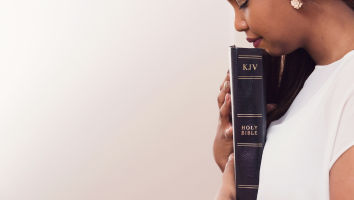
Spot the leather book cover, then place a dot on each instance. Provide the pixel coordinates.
(248, 107)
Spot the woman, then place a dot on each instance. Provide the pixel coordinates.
(308, 153)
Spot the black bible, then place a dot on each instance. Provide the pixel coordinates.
(248, 108)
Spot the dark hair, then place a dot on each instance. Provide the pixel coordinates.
(286, 75)
(350, 3)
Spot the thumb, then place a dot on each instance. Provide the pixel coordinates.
(227, 190)
(228, 176)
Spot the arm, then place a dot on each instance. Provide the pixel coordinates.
(341, 177)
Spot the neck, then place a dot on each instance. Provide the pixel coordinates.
(331, 35)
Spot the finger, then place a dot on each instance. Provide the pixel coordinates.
(223, 92)
(229, 173)
(271, 107)
(223, 145)
(225, 110)
(228, 177)
(227, 189)
(227, 78)
(229, 133)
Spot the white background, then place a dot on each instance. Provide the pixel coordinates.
(104, 99)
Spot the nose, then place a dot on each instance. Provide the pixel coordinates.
(240, 23)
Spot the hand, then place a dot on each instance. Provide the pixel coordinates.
(227, 190)
(223, 142)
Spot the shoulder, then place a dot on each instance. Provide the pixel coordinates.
(347, 64)
(343, 84)
(341, 175)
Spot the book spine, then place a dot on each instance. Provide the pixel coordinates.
(248, 107)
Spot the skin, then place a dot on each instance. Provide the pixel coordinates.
(227, 188)
(223, 143)
(325, 30)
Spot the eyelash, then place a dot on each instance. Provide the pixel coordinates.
(244, 5)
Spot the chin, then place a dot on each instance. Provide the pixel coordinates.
(274, 52)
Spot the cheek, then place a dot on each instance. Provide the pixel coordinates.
(277, 28)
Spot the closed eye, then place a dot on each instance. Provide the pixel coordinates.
(244, 4)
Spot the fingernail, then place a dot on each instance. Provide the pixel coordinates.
(226, 85)
(231, 156)
(272, 104)
(227, 97)
(227, 71)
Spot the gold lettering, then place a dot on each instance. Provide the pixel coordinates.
(249, 66)
(249, 130)
(254, 66)
(245, 67)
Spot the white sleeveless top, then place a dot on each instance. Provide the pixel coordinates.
(302, 146)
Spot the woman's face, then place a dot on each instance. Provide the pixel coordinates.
(280, 26)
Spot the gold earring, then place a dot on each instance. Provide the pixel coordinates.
(296, 4)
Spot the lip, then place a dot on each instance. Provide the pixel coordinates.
(256, 42)
(252, 39)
